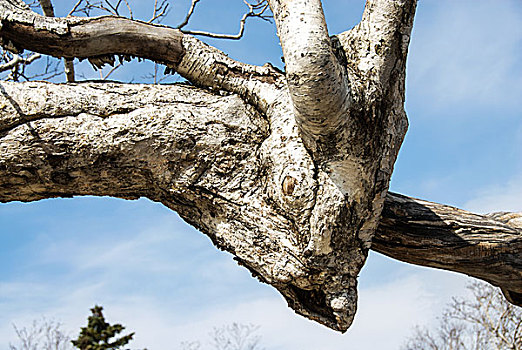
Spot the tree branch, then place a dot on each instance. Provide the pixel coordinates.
(189, 14)
(253, 189)
(211, 158)
(19, 60)
(300, 218)
(47, 7)
(488, 247)
(254, 10)
(312, 68)
(90, 37)
(99, 39)
(107, 134)
(378, 45)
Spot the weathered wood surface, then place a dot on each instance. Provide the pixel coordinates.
(488, 247)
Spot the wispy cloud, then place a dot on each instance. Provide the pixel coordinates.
(218, 292)
(456, 56)
(499, 197)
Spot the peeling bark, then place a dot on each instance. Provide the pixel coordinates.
(288, 172)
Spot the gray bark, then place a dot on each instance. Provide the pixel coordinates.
(243, 156)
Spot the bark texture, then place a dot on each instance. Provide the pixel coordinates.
(288, 172)
(488, 247)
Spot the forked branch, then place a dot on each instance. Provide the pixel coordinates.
(488, 247)
(379, 42)
(17, 60)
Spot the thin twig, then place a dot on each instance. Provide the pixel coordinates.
(114, 7)
(255, 10)
(159, 11)
(74, 8)
(129, 8)
(110, 72)
(189, 14)
(16, 60)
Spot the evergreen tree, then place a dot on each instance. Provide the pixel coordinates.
(98, 333)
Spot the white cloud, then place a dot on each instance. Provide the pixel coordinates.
(500, 197)
(388, 311)
(161, 321)
(466, 52)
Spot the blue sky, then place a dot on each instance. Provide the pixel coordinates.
(165, 281)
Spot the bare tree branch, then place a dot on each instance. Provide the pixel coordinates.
(16, 60)
(488, 247)
(160, 10)
(91, 37)
(99, 39)
(42, 334)
(312, 69)
(69, 69)
(189, 14)
(47, 7)
(380, 41)
(255, 10)
(483, 321)
(173, 144)
(75, 8)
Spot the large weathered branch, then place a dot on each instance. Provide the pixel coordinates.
(249, 186)
(252, 189)
(316, 78)
(100, 39)
(488, 247)
(113, 139)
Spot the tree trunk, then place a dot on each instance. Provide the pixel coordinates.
(289, 173)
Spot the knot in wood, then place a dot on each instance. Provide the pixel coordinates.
(289, 185)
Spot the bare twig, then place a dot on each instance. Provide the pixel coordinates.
(256, 9)
(129, 9)
(16, 60)
(75, 8)
(158, 76)
(51, 70)
(160, 10)
(111, 71)
(485, 321)
(17, 64)
(189, 14)
(42, 334)
(113, 8)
